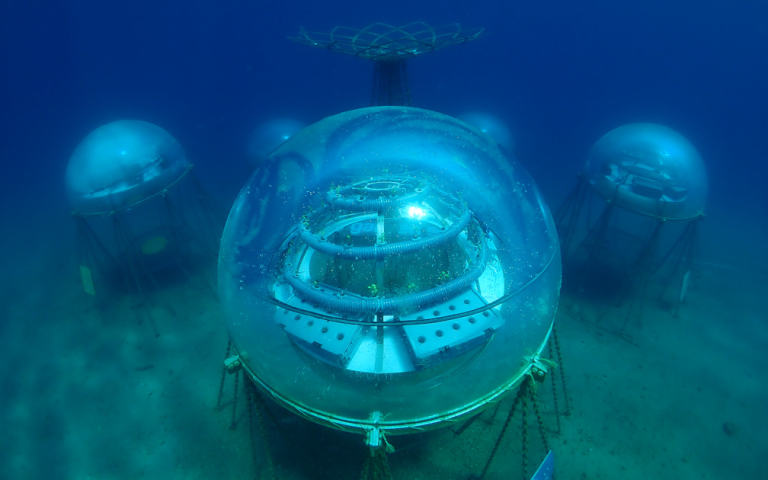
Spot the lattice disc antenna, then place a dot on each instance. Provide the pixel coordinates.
(389, 47)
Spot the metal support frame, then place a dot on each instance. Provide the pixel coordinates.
(637, 271)
(389, 47)
(116, 251)
(390, 84)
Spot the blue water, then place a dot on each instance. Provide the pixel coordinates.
(560, 74)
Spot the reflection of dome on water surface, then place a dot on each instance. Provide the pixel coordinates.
(122, 163)
(648, 169)
(389, 266)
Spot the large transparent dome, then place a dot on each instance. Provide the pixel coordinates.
(122, 163)
(389, 266)
(648, 169)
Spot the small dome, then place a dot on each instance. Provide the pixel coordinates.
(270, 135)
(648, 169)
(122, 163)
(490, 125)
(389, 266)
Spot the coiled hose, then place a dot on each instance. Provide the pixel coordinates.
(390, 306)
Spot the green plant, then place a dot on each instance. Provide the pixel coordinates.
(373, 289)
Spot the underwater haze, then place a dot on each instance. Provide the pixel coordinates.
(90, 388)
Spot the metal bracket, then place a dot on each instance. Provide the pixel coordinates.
(233, 364)
(539, 367)
(374, 436)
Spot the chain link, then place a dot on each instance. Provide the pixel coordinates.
(234, 402)
(562, 371)
(223, 375)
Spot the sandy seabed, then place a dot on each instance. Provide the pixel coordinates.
(89, 392)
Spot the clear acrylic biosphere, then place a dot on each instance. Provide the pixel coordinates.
(648, 169)
(120, 164)
(389, 266)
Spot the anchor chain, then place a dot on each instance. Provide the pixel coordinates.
(562, 371)
(223, 375)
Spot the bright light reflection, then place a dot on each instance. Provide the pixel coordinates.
(416, 212)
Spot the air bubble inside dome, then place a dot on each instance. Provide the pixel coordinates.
(389, 265)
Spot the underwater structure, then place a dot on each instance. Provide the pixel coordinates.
(270, 135)
(647, 171)
(138, 208)
(389, 270)
(490, 125)
(390, 48)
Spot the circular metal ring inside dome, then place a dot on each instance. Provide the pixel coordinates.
(377, 193)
